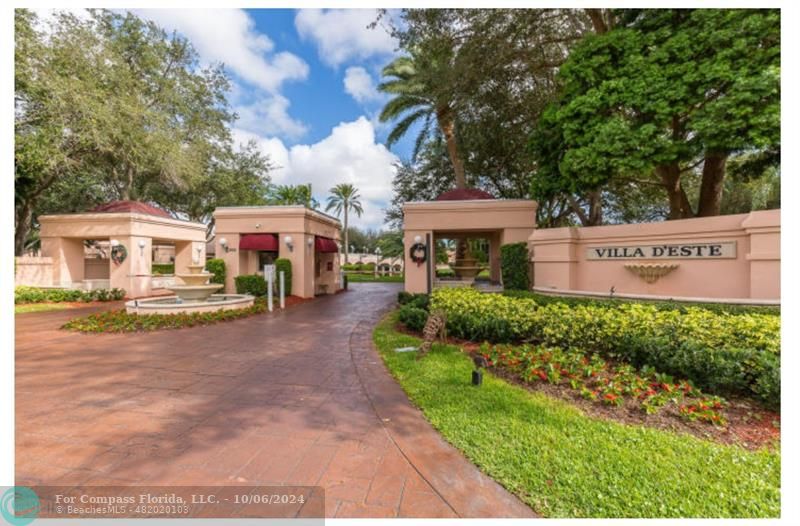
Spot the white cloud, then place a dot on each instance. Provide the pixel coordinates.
(349, 154)
(359, 84)
(342, 34)
(269, 116)
(230, 36)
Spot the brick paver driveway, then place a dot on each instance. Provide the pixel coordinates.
(295, 398)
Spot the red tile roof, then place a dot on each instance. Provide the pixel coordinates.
(464, 194)
(131, 206)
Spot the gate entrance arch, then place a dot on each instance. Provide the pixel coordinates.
(462, 216)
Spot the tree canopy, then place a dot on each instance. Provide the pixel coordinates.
(113, 107)
(657, 97)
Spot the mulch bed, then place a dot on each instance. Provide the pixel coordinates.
(749, 425)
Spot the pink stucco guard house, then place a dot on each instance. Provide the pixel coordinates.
(249, 237)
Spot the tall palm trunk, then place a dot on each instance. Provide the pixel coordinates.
(444, 116)
(346, 236)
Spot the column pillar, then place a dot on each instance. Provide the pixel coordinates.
(68, 255)
(416, 276)
(764, 229)
(230, 257)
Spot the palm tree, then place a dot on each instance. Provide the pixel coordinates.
(287, 194)
(418, 85)
(345, 197)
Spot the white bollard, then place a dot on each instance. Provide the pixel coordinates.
(282, 288)
(268, 277)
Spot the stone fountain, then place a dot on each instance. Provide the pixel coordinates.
(196, 287)
(466, 266)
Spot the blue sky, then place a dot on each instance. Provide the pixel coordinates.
(304, 86)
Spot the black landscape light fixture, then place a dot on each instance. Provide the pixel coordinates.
(477, 375)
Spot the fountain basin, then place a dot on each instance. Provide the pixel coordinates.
(195, 292)
(466, 268)
(176, 305)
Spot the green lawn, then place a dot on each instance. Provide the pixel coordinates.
(565, 464)
(361, 278)
(40, 307)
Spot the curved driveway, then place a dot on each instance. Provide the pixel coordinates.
(294, 398)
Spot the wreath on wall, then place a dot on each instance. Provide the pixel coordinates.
(118, 254)
(418, 253)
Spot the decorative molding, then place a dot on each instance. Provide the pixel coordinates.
(651, 272)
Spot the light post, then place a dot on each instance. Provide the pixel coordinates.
(377, 259)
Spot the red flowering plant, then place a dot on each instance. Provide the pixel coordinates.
(596, 380)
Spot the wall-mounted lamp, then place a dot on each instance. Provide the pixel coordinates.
(309, 242)
(142, 243)
(114, 242)
(417, 239)
(258, 225)
(223, 242)
(289, 242)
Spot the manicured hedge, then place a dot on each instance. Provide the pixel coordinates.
(252, 284)
(721, 352)
(413, 317)
(546, 299)
(445, 273)
(217, 267)
(420, 300)
(514, 266)
(413, 311)
(24, 294)
(163, 268)
(283, 264)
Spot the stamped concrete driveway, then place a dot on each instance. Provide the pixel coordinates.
(298, 397)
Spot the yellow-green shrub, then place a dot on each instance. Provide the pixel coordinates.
(719, 351)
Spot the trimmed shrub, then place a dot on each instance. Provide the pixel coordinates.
(368, 266)
(413, 317)
(253, 284)
(420, 301)
(721, 352)
(163, 268)
(445, 273)
(719, 308)
(514, 266)
(24, 295)
(217, 267)
(283, 264)
(404, 297)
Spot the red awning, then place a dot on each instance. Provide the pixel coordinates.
(268, 242)
(325, 245)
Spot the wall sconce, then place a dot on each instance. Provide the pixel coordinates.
(142, 243)
(417, 239)
(309, 242)
(289, 242)
(258, 225)
(223, 242)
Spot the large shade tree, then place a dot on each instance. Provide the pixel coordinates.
(660, 96)
(344, 199)
(113, 107)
